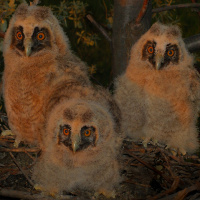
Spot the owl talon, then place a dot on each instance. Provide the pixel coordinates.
(40, 188)
(7, 133)
(145, 142)
(106, 193)
(182, 151)
(154, 142)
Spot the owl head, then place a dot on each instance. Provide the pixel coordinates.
(160, 48)
(79, 127)
(34, 31)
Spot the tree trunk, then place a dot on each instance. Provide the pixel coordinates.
(126, 31)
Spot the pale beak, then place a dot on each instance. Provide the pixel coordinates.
(28, 43)
(158, 60)
(75, 143)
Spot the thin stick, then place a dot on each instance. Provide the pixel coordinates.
(142, 11)
(2, 34)
(99, 27)
(150, 167)
(15, 161)
(32, 150)
(164, 8)
(169, 191)
(26, 195)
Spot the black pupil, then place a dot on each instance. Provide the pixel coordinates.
(66, 131)
(19, 35)
(40, 36)
(170, 52)
(151, 49)
(87, 132)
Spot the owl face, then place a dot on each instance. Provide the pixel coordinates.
(77, 141)
(79, 126)
(160, 48)
(160, 57)
(34, 30)
(28, 41)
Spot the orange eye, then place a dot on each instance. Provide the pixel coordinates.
(19, 35)
(66, 131)
(87, 132)
(150, 50)
(40, 36)
(170, 53)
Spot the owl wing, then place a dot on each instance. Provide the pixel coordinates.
(195, 87)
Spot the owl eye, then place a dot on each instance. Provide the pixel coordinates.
(170, 53)
(66, 131)
(87, 132)
(150, 49)
(40, 36)
(19, 35)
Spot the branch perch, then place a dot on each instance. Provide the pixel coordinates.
(2, 34)
(14, 160)
(142, 11)
(32, 150)
(165, 8)
(26, 195)
(99, 27)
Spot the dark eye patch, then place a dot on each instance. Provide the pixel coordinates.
(146, 55)
(19, 44)
(40, 44)
(62, 137)
(87, 140)
(169, 56)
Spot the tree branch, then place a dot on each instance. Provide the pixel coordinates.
(32, 150)
(188, 5)
(142, 11)
(26, 195)
(2, 34)
(14, 160)
(99, 27)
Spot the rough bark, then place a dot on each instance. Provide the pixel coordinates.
(126, 31)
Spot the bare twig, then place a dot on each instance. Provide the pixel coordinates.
(194, 1)
(183, 193)
(169, 191)
(164, 8)
(99, 27)
(142, 11)
(32, 150)
(150, 167)
(26, 195)
(15, 161)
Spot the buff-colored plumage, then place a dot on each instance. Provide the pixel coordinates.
(71, 164)
(160, 91)
(37, 56)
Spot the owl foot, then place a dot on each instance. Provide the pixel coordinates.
(7, 133)
(106, 193)
(154, 141)
(10, 133)
(182, 151)
(53, 194)
(145, 142)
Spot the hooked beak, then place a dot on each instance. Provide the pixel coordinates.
(75, 143)
(158, 60)
(28, 43)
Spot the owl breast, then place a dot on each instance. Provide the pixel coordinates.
(25, 89)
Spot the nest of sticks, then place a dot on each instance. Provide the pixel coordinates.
(149, 173)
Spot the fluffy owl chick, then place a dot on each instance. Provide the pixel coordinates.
(36, 54)
(81, 148)
(160, 91)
